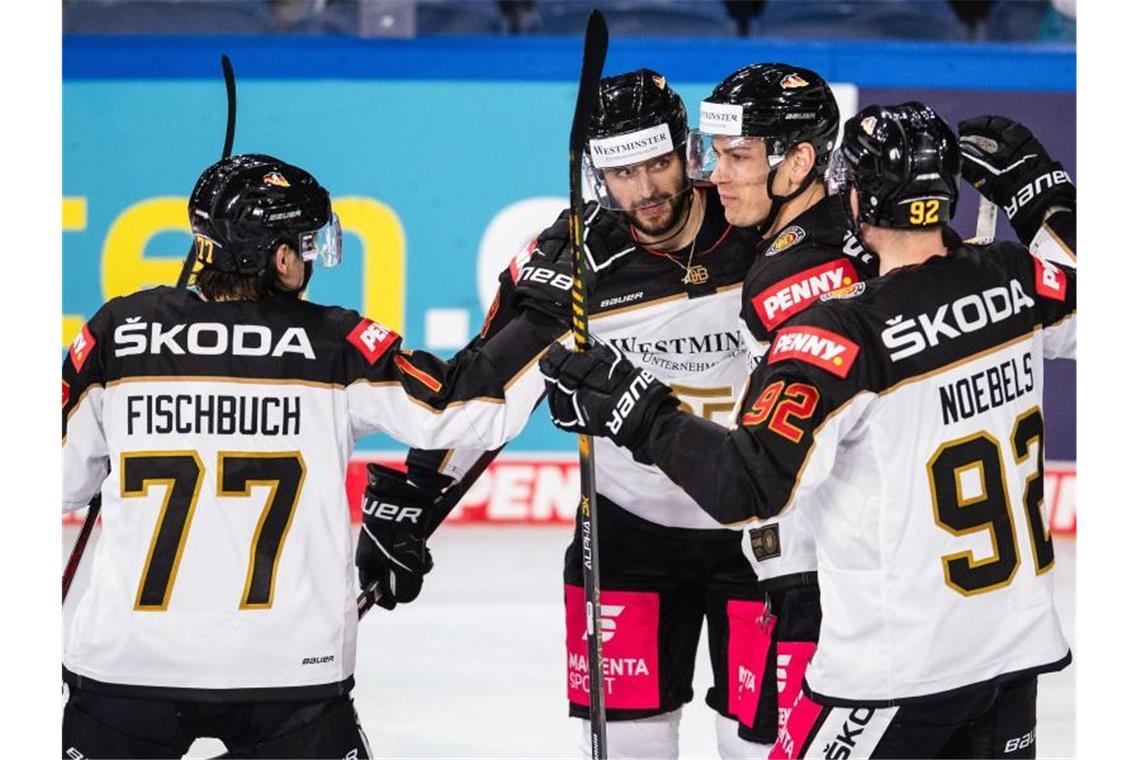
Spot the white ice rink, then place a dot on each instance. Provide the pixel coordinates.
(475, 667)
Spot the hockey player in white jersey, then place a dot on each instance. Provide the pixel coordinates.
(217, 423)
(667, 270)
(903, 415)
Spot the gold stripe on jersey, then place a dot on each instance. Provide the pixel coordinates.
(221, 379)
(144, 487)
(274, 484)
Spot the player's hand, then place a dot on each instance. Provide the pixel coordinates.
(392, 549)
(1007, 165)
(546, 278)
(600, 392)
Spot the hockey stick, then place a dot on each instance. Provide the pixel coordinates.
(183, 278)
(593, 57)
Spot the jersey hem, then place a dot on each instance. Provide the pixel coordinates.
(78, 682)
(1015, 675)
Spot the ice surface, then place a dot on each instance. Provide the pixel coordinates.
(474, 668)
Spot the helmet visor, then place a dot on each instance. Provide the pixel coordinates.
(323, 245)
(840, 172)
(733, 158)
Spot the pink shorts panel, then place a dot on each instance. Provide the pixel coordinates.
(629, 625)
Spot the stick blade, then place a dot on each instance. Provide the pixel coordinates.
(593, 58)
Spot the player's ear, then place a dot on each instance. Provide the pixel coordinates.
(803, 159)
(281, 259)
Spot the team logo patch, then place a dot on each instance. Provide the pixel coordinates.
(868, 124)
(659, 81)
(276, 178)
(790, 296)
(816, 346)
(66, 393)
(851, 291)
(792, 81)
(1051, 280)
(371, 339)
(765, 542)
(81, 348)
(789, 237)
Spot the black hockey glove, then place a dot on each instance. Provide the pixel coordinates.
(1007, 165)
(600, 392)
(392, 550)
(545, 280)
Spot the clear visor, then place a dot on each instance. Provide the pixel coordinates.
(323, 245)
(739, 159)
(635, 186)
(840, 173)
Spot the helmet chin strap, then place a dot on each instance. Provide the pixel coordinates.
(778, 201)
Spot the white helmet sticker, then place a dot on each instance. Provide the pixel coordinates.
(721, 118)
(631, 148)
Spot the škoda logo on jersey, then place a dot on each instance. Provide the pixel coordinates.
(816, 346)
(371, 339)
(208, 339)
(970, 313)
(790, 296)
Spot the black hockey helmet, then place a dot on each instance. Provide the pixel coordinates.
(638, 100)
(637, 117)
(785, 105)
(243, 207)
(904, 163)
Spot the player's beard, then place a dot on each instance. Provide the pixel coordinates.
(677, 206)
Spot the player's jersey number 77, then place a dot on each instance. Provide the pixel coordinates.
(181, 473)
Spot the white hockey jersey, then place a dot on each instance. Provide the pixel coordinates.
(218, 435)
(903, 418)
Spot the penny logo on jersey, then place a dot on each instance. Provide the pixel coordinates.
(81, 348)
(371, 339)
(1051, 281)
(790, 296)
(816, 346)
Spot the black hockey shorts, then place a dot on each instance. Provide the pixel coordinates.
(984, 721)
(96, 725)
(793, 603)
(658, 586)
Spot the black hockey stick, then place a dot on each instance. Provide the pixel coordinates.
(593, 57)
(183, 278)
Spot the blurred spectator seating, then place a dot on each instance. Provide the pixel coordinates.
(639, 18)
(859, 19)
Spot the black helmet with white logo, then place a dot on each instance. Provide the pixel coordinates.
(785, 105)
(637, 119)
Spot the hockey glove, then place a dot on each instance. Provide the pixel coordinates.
(1007, 165)
(392, 550)
(545, 280)
(600, 392)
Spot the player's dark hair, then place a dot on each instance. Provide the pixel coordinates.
(217, 285)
